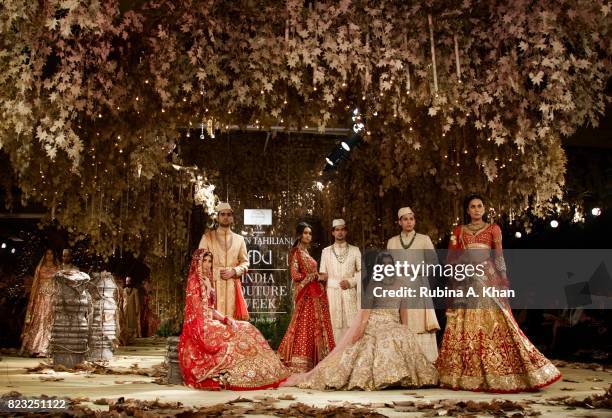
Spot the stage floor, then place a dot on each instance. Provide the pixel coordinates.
(579, 382)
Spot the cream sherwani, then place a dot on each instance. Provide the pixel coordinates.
(343, 303)
(423, 322)
(229, 251)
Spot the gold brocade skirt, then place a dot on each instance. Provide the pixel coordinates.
(485, 350)
(387, 355)
(37, 329)
(250, 363)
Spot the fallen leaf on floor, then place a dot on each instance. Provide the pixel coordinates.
(264, 398)
(599, 401)
(578, 365)
(558, 398)
(567, 389)
(287, 397)
(403, 403)
(74, 401)
(39, 368)
(406, 409)
(11, 394)
(570, 381)
(240, 400)
(50, 379)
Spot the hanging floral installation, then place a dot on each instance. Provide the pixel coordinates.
(95, 96)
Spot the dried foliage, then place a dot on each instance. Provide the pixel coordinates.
(93, 96)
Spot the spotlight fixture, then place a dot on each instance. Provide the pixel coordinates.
(4, 245)
(554, 223)
(341, 152)
(596, 211)
(13, 251)
(358, 127)
(350, 142)
(518, 234)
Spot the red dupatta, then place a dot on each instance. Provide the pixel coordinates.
(204, 340)
(301, 288)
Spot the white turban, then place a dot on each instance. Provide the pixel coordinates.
(223, 206)
(338, 222)
(404, 211)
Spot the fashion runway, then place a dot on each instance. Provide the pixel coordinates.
(136, 375)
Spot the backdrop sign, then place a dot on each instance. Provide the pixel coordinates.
(266, 284)
(258, 216)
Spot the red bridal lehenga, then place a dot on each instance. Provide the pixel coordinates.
(211, 354)
(483, 348)
(309, 337)
(39, 315)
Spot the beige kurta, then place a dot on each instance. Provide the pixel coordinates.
(343, 303)
(423, 322)
(236, 257)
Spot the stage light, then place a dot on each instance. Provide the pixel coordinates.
(596, 211)
(554, 223)
(345, 145)
(328, 161)
(13, 251)
(518, 234)
(4, 245)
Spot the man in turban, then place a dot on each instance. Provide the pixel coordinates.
(417, 249)
(230, 262)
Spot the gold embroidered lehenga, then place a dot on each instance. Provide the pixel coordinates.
(36, 332)
(386, 355)
(483, 347)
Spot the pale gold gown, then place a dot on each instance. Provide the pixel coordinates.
(39, 316)
(387, 355)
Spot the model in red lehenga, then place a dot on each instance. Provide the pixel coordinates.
(483, 347)
(217, 352)
(309, 337)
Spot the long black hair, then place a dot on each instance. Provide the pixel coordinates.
(466, 205)
(299, 230)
